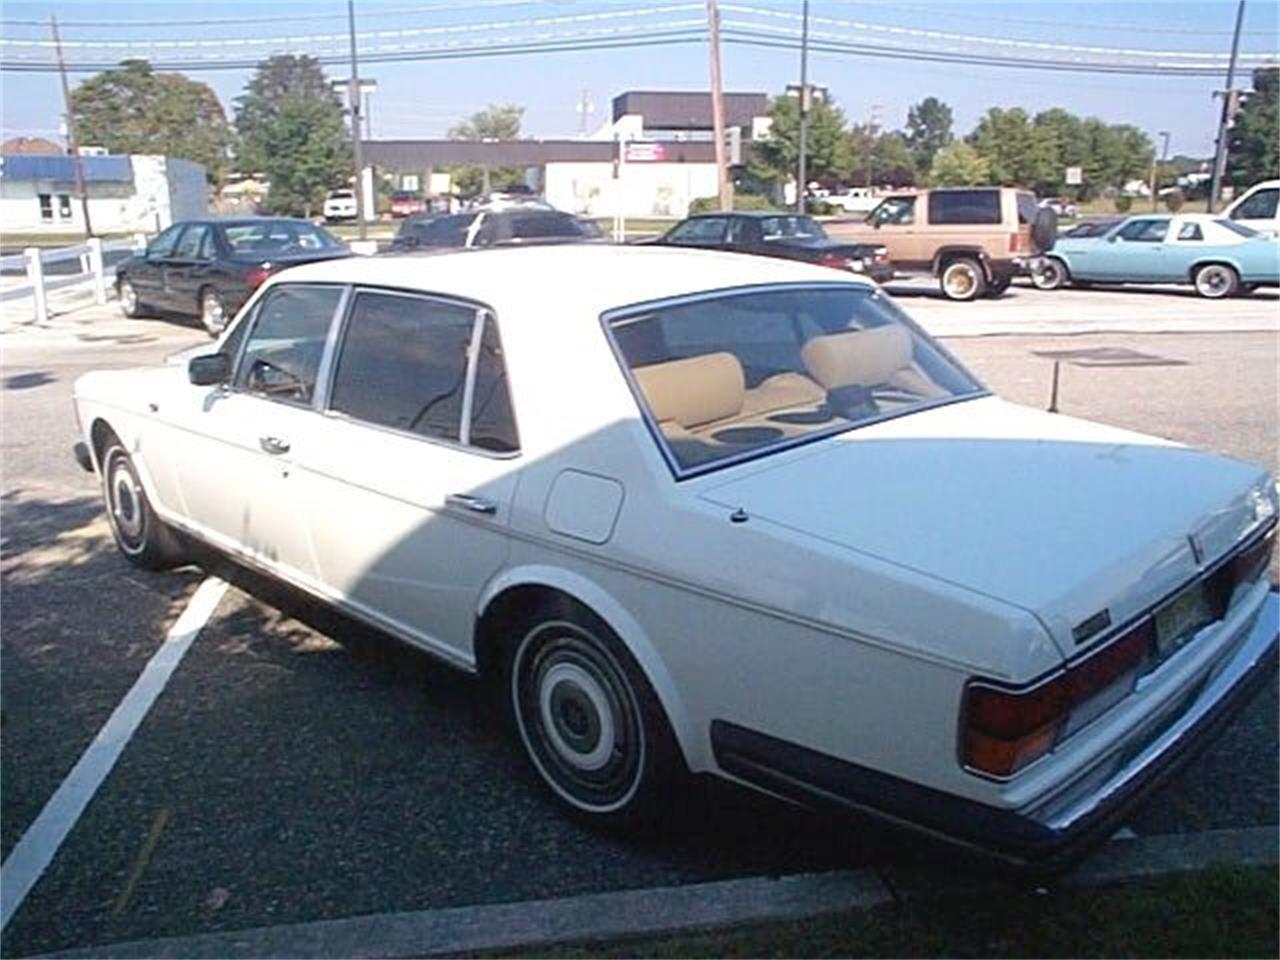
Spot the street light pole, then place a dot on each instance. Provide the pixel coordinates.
(353, 98)
(1220, 153)
(1164, 157)
(803, 177)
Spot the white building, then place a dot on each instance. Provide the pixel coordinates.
(125, 193)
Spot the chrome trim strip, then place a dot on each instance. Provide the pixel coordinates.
(1261, 638)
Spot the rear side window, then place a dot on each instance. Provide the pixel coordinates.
(964, 206)
(534, 226)
(406, 363)
(282, 355)
(1190, 231)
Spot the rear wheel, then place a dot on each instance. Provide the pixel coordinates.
(1050, 274)
(213, 312)
(142, 537)
(1215, 281)
(963, 279)
(588, 720)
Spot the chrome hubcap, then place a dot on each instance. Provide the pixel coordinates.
(1213, 281)
(213, 313)
(126, 505)
(576, 715)
(128, 297)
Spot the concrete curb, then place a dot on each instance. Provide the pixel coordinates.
(662, 911)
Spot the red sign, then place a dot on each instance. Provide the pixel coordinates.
(645, 152)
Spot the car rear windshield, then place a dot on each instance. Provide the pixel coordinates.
(804, 228)
(446, 231)
(1239, 228)
(739, 374)
(278, 237)
(964, 206)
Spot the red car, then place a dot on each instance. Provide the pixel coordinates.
(404, 204)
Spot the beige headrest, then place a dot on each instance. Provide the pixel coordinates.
(693, 391)
(858, 357)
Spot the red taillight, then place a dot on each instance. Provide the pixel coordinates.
(1015, 242)
(835, 262)
(1004, 730)
(257, 277)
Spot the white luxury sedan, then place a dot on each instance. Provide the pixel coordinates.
(700, 512)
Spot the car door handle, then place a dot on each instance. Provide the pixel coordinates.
(471, 504)
(274, 445)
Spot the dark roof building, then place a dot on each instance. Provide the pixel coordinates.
(676, 110)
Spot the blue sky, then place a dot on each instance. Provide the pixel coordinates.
(424, 99)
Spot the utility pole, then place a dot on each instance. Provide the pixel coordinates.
(585, 109)
(717, 108)
(77, 161)
(353, 98)
(1164, 157)
(802, 179)
(873, 124)
(1228, 100)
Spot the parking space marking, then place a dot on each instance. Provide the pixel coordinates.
(35, 851)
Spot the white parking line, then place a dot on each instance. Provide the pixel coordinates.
(35, 851)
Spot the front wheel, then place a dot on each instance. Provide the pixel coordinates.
(213, 312)
(589, 721)
(144, 539)
(130, 305)
(1215, 281)
(963, 279)
(1049, 274)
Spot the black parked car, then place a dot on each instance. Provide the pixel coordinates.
(791, 236)
(526, 223)
(209, 268)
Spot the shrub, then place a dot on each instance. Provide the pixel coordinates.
(1123, 202)
(1173, 200)
(741, 201)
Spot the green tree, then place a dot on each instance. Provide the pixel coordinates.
(928, 130)
(133, 109)
(827, 151)
(292, 129)
(494, 122)
(1253, 142)
(1063, 136)
(1018, 152)
(958, 165)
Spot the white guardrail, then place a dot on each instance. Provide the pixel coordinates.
(38, 285)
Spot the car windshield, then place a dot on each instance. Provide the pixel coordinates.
(277, 237)
(1239, 228)
(739, 374)
(802, 228)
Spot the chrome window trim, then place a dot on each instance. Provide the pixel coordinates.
(639, 311)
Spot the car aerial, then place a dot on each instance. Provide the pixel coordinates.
(697, 512)
(1218, 256)
(405, 203)
(778, 234)
(975, 240)
(508, 225)
(1259, 208)
(340, 205)
(209, 268)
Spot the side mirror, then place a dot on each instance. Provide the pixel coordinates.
(1113, 238)
(209, 370)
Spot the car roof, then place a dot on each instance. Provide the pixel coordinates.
(749, 214)
(543, 280)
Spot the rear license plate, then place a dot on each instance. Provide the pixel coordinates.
(1179, 619)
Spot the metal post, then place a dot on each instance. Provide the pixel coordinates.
(77, 161)
(99, 274)
(717, 107)
(1164, 156)
(353, 98)
(803, 179)
(35, 277)
(1220, 152)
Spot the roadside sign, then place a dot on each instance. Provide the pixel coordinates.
(638, 152)
(1075, 176)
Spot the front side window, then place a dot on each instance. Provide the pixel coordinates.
(1144, 231)
(964, 206)
(162, 246)
(743, 373)
(894, 211)
(1261, 206)
(282, 354)
(407, 363)
(791, 227)
(698, 231)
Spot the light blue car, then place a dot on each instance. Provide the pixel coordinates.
(1218, 256)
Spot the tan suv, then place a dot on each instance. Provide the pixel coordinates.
(975, 240)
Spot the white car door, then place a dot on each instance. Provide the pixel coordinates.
(234, 445)
(412, 476)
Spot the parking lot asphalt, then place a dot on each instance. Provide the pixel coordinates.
(299, 767)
